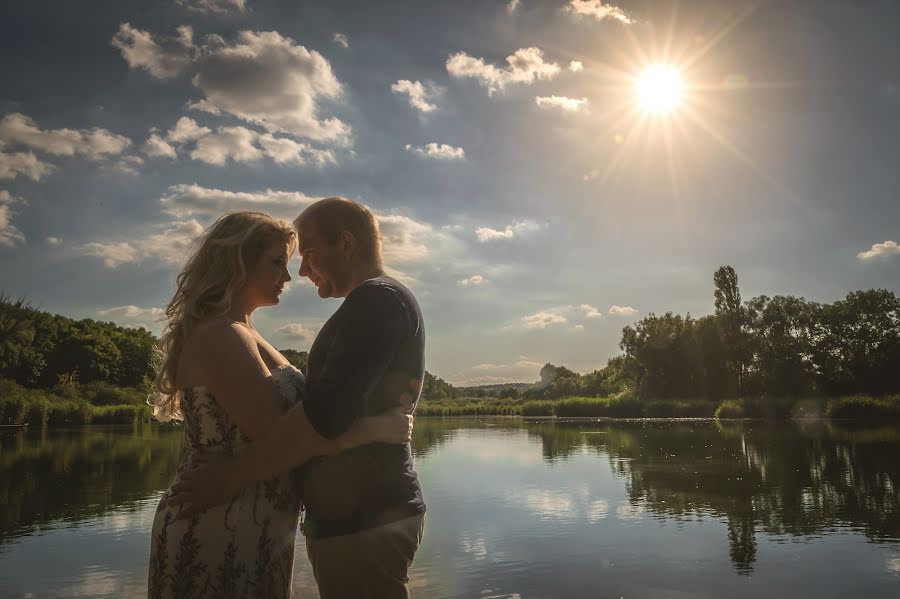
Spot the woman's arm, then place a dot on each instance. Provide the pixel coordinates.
(288, 444)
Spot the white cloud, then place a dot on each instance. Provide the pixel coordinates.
(598, 10)
(268, 80)
(485, 234)
(235, 143)
(203, 106)
(10, 235)
(297, 332)
(472, 281)
(525, 66)
(192, 200)
(562, 103)
(127, 165)
(543, 319)
(489, 366)
(157, 147)
(591, 311)
(263, 78)
(419, 94)
(576, 66)
(169, 244)
(341, 40)
(54, 240)
(186, 129)
(283, 150)
(578, 327)
(404, 239)
(23, 163)
(213, 6)
(526, 363)
(131, 312)
(141, 51)
(622, 310)
(437, 151)
(512, 6)
(240, 144)
(17, 129)
(880, 250)
(112, 254)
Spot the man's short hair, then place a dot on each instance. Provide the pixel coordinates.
(335, 214)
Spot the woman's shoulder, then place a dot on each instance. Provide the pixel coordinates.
(218, 338)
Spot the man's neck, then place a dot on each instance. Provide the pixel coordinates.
(363, 274)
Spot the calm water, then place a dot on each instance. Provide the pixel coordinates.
(516, 509)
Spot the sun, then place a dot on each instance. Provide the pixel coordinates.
(659, 88)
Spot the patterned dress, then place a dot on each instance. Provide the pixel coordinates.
(242, 549)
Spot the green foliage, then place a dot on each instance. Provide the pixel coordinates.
(38, 349)
(65, 406)
(730, 408)
(864, 407)
(435, 389)
(297, 358)
(469, 406)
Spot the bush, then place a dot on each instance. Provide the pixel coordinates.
(100, 393)
(70, 405)
(537, 408)
(864, 407)
(680, 408)
(730, 408)
(120, 414)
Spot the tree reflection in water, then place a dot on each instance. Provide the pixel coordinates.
(779, 479)
(760, 478)
(52, 474)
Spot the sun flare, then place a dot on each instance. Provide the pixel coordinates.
(659, 88)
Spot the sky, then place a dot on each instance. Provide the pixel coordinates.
(528, 197)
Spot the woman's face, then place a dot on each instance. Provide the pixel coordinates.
(266, 278)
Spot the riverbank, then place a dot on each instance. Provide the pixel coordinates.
(848, 407)
(94, 403)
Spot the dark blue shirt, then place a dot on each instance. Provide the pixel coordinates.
(359, 365)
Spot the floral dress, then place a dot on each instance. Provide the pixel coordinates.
(242, 549)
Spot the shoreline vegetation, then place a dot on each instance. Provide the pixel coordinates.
(772, 358)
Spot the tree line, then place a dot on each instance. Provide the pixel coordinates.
(781, 346)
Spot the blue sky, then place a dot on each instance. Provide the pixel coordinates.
(530, 202)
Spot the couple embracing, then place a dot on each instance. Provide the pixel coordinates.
(262, 440)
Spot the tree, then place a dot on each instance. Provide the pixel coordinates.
(858, 344)
(781, 330)
(732, 319)
(297, 358)
(666, 355)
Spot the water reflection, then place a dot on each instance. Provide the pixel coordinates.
(779, 479)
(551, 508)
(71, 474)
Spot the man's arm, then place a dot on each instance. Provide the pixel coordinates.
(374, 325)
(212, 479)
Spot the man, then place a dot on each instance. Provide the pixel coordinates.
(364, 509)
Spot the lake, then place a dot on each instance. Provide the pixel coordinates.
(516, 509)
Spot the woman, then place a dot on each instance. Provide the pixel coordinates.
(228, 384)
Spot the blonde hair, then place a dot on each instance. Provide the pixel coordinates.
(206, 287)
(335, 214)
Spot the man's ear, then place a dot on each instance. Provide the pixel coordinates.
(347, 243)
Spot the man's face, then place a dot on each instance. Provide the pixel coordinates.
(323, 263)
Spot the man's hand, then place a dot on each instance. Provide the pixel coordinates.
(393, 426)
(209, 481)
(414, 386)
